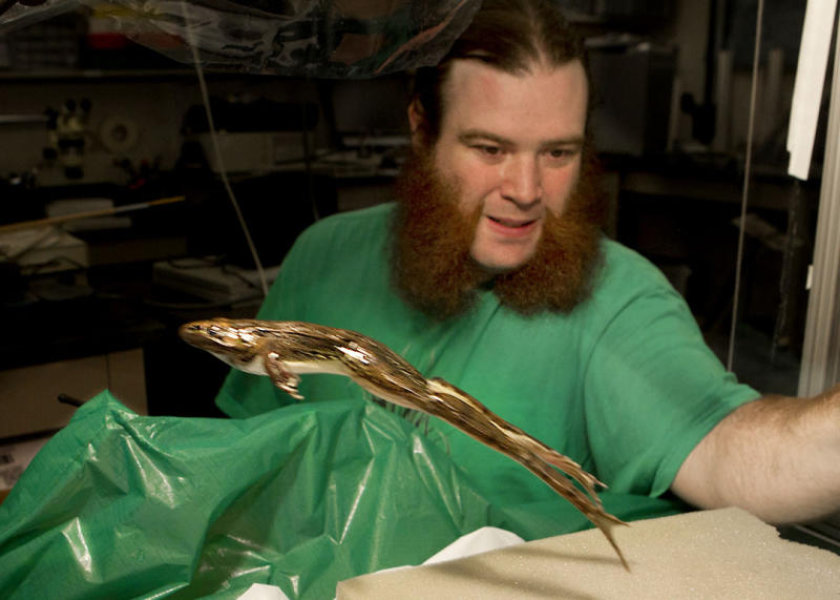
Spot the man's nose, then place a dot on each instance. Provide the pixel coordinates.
(523, 181)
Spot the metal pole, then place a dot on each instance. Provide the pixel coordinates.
(821, 350)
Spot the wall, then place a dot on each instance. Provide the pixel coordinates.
(155, 105)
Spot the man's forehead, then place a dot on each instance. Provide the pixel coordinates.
(552, 99)
(464, 69)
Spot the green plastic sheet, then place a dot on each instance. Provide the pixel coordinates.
(118, 505)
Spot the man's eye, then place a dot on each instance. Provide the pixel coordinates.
(561, 155)
(488, 150)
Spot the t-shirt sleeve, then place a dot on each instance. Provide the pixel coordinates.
(653, 388)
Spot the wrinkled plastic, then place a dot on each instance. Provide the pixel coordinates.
(315, 38)
(118, 505)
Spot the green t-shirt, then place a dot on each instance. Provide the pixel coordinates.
(624, 384)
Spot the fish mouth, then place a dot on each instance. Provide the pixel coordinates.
(201, 334)
(190, 331)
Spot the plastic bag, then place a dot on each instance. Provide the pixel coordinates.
(313, 38)
(118, 505)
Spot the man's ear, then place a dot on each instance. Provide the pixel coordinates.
(417, 123)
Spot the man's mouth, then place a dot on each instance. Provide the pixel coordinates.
(512, 223)
(512, 227)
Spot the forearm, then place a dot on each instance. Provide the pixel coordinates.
(777, 457)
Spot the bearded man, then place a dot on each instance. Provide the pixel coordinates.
(490, 271)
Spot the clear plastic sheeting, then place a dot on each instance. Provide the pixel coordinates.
(311, 38)
(17, 15)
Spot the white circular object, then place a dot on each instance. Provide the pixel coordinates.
(119, 134)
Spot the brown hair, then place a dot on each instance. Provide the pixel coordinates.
(507, 34)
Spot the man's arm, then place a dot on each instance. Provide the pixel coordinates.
(777, 457)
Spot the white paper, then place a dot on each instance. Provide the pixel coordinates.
(261, 591)
(480, 540)
(810, 79)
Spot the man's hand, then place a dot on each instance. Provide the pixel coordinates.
(777, 457)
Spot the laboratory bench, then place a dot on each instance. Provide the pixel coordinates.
(101, 307)
(77, 333)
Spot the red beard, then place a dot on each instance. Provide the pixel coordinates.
(433, 268)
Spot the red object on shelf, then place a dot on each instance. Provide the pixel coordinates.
(106, 41)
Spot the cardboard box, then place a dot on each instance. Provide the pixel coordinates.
(29, 402)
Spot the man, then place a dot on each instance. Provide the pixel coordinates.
(490, 272)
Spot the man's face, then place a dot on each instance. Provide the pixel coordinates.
(511, 145)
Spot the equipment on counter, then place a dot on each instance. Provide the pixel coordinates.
(67, 128)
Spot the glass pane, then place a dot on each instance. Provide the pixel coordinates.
(682, 207)
(780, 222)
